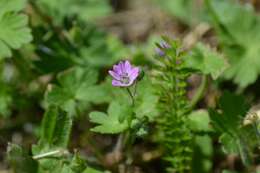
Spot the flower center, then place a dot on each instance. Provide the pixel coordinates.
(125, 78)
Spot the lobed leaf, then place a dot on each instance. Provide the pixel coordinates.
(112, 122)
(13, 26)
(228, 121)
(76, 84)
(237, 27)
(207, 61)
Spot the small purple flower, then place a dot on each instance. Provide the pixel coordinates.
(165, 45)
(124, 74)
(160, 50)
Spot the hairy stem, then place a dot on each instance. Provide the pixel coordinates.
(50, 153)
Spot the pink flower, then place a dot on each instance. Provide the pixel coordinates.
(124, 74)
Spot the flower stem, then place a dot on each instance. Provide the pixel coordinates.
(131, 95)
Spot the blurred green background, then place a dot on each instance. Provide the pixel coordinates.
(42, 40)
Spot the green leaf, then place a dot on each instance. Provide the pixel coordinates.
(229, 144)
(20, 160)
(13, 26)
(109, 123)
(206, 61)
(55, 134)
(55, 129)
(76, 84)
(228, 121)
(187, 11)
(238, 30)
(6, 101)
(146, 100)
(78, 164)
(62, 129)
(85, 10)
(199, 121)
(234, 110)
(92, 170)
(108, 93)
(105, 50)
(11, 6)
(75, 165)
(202, 156)
(48, 124)
(54, 54)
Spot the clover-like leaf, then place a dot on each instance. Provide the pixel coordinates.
(14, 31)
(112, 122)
(207, 61)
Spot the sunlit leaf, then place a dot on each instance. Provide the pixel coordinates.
(207, 61)
(238, 30)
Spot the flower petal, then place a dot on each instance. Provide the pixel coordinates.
(122, 67)
(116, 83)
(117, 69)
(128, 66)
(134, 73)
(120, 84)
(114, 74)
